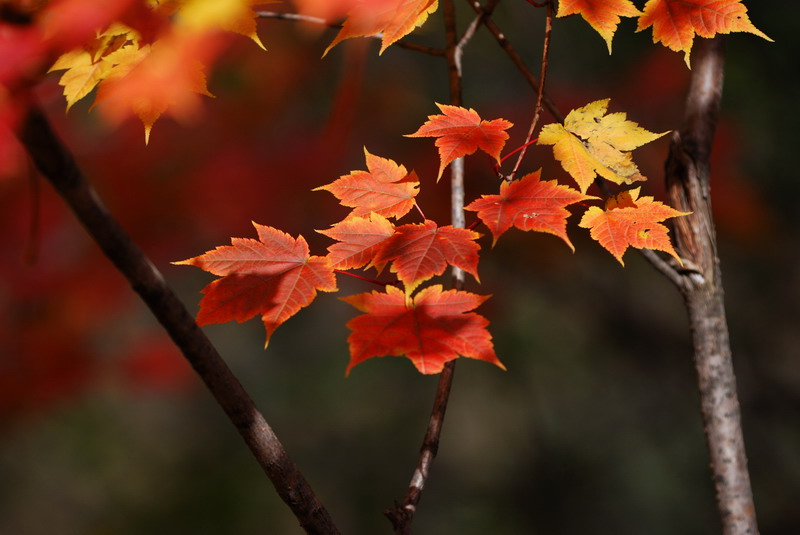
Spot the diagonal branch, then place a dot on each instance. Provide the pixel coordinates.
(687, 179)
(58, 166)
(511, 52)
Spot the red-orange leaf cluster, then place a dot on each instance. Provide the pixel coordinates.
(431, 329)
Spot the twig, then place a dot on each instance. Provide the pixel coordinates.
(687, 177)
(516, 59)
(319, 20)
(403, 513)
(548, 27)
(58, 166)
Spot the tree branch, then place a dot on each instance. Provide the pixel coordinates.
(402, 515)
(687, 179)
(58, 166)
(516, 59)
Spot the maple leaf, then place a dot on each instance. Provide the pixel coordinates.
(528, 204)
(431, 329)
(602, 15)
(591, 143)
(630, 221)
(676, 22)
(149, 81)
(420, 251)
(460, 131)
(359, 240)
(391, 18)
(386, 188)
(273, 276)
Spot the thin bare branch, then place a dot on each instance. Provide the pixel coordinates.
(402, 515)
(58, 166)
(537, 109)
(516, 59)
(297, 17)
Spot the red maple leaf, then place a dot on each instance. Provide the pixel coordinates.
(602, 15)
(386, 189)
(528, 204)
(675, 22)
(358, 241)
(629, 221)
(431, 329)
(461, 131)
(273, 276)
(420, 251)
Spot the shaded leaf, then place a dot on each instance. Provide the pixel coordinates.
(431, 329)
(359, 240)
(460, 131)
(273, 277)
(528, 204)
(420, 251)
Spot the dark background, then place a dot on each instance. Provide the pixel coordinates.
(595, 426)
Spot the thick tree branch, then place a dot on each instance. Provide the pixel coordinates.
(59, 168)
(687, 178)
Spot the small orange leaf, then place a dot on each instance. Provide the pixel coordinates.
(273, 277)
(386, 188)
(460, 131)
(676, 22)
(528, 204)
(431, 329)
(629, 221)
(602, 15)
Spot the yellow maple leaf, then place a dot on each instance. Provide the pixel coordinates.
(591, 143)
(230, 15)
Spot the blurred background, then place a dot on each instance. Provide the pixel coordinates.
(595, 426)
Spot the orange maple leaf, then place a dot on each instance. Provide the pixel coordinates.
(431, 329)
(630, 221)
(591, 143)
(460, 131)
(602, 15)
(420, 251)
(230, 15)
(273, 276)
(528, 204)
(386, 188)
(358, 241)
(676, 22)
(391, 18)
